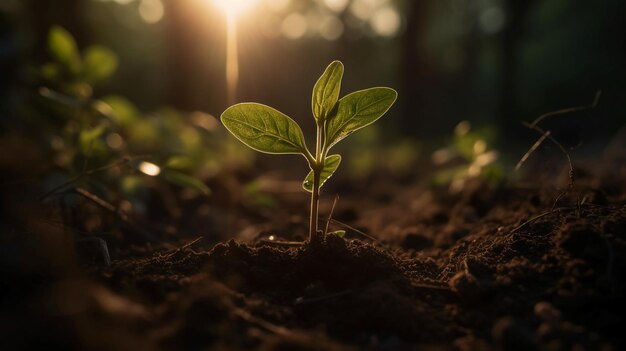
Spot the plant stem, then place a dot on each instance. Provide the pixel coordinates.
(317, 168)
(314, 236)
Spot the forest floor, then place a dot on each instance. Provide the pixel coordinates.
(488, 268)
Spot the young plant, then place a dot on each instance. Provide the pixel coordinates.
(467, 157)
(267, 130)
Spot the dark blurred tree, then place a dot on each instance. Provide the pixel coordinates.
(516, 14)
(43, 14)
(8, 64)
(182, 37)
(417, 72)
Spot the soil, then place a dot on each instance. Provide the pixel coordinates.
(489, 268)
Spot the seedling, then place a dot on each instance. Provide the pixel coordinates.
(467, 157)
(267, 130)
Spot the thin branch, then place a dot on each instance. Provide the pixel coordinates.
(283, 243)
(83, 174)
(185, 247)
(87, 157)
(430, 286)
(353, 229)
(332, 210)
(539, 216)
(303, 301)
(117, 212)
(273, 328)
(570, 185)
(531, 150)
(568, 110)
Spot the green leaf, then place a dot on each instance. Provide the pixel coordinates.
(264, 129)
(124, 111)
(88, 138)
(186, 181)
(358, 110)
(51, 71)
(339, 233)
(326, 91)
(331, 163)
(181, 162)
(63, 48)
(99, 63)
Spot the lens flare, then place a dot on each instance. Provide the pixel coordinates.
(233, 7)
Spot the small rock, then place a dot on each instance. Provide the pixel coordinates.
(416, 242)
(582, 241)
(546, 312)
(465, 284)
(511, 336)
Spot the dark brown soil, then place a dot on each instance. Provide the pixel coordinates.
(487, 269)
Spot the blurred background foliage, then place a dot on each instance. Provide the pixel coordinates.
(489, 61)
(136, 84)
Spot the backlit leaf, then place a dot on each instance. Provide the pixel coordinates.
(88, 138)
(331, 163)
(99, 63)
(186, 181)
(124, 112)
(264, 129)
(326, 91)
(357, 110)
(63, 48)
(51, 71)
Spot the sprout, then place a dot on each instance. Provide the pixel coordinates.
(268, 130)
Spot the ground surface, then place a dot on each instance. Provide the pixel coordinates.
(488, 268)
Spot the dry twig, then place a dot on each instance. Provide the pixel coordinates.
(123, 217)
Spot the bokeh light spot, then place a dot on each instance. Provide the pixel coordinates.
(337, 6)
(331, 28)
(480, 146)
(115, 141)
(278, 5)
(294, 26)
(462, 128)
(386, 21)
(361, 10)
(149, 168)
(151, 11)
(233, 7)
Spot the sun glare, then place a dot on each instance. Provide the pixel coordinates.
(233, 7)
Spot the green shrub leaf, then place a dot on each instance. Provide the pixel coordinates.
(88, 137)
(264, 129)
(186, 181)
(326, 91)
(63, 48)
(124, 112)
(357, 110)
(51, 71)
(331, 163)
(99, 63)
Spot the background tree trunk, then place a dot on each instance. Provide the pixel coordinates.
(42, 14)
(513, 33)
(417, 77)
